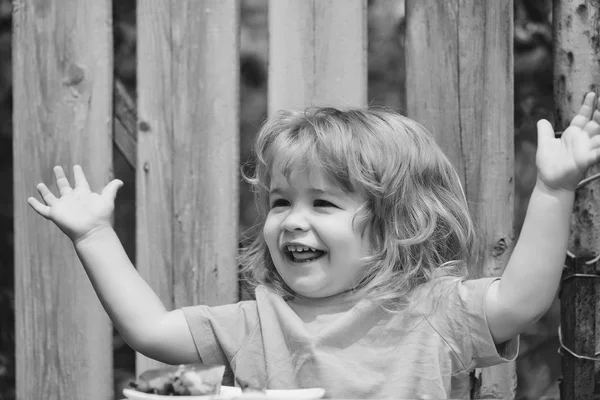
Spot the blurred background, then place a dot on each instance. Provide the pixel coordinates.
(538, 364)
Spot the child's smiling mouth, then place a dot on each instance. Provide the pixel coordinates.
(302, 254)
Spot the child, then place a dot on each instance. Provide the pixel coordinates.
(360, 265)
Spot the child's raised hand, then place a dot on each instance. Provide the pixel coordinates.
(77, 211)
(562, 162)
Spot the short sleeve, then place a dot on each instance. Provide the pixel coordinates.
(472, 294)
(455, 308)
(219, 332)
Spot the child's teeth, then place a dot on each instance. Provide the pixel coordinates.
(300, 248)
(305, 256)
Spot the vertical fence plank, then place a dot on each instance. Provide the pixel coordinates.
(487, 126)
(206, 150)
(154, 170)
(576, 32)
(460, 86)
(188, 85)
(578, 320)
(317, 54)
(432, 72)
(62, 73)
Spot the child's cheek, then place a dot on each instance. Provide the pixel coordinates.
(271, 233)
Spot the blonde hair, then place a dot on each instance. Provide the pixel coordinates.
(416, 209)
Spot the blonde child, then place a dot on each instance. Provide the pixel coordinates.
(360, 264)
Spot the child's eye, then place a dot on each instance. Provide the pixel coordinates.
(279, 203)
(323, 203)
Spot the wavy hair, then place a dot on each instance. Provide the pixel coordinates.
(420, 227)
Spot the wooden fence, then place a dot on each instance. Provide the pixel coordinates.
(459, 83)
(184, 146)
(576, 28)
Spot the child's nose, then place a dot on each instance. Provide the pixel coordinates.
(296, 219)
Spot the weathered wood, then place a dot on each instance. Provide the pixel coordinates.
(62, 69)
(154, 169)
(187, 166)
(576, 33)
(125, 124)
(206, 148)
(578, 320)
(317, 54)
(433, 72)
(459, 79)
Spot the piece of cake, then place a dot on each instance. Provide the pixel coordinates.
(182, 380)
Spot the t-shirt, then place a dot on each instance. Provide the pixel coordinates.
(354, 349)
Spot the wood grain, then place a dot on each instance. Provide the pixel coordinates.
(62, 74)
(317, 54)
(188, 151)
(576, 35)
(154, 170)
(206, 148)
(460, 86)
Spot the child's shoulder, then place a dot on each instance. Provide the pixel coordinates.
(437, 286)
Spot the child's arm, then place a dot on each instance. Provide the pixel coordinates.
(531, 279)
(136, 311)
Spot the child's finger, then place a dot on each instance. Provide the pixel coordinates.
(110, 190)
(80, 179)
(41, 209)
(592, 128)
(596, 116)
(61, 181)
(545, 132)
(593, 156)
(585, 112)
(46, 194)
(595, 141)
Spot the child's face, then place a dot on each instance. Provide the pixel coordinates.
(314, 213)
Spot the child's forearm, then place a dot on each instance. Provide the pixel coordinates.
(129, 301)
(532, 276)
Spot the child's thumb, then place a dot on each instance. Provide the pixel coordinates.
(110, 190)
(545, 131)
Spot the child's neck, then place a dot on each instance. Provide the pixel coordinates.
(310, 308)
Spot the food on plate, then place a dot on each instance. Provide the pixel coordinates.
(181, 380)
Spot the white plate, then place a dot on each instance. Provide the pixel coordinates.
(298, 394)
(227, 392)
(230, 392)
